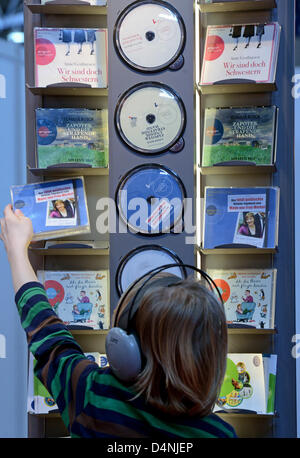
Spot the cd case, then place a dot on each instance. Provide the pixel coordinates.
(241, 134)
(71, 137)
(240, 53)
(248, 296)
(241, 217)
(70, 57)
(79, 298)
(56, 208)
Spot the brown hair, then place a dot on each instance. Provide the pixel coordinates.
(183, 336)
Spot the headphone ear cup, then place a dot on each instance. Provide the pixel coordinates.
(123, 354)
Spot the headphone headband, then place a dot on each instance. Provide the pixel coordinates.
(129, 312)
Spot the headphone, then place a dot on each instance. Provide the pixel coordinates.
(122, 344)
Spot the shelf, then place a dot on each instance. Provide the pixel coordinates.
(70, 251)
(238, 251)
(236, 88)
(87, 332)
(249, 5)
(251, 331)
(238, 416)
(74, 91)
(72, 171)
(68, 8)
(237, 169)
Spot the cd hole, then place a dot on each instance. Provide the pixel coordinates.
(150, 118)
(150, 35)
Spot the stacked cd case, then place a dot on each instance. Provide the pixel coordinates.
(56, 208)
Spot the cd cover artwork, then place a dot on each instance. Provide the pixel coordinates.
(150, 118)
(241, 217)
(248, 296)
(71, 137)
(56, 208)
(242, 134)
(80, 299)
(71, 57)
(150, 36)
(244, 384)
(150, 200)
(143, 259)
(240, 53)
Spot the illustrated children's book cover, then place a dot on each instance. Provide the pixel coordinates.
(39, 400)
(239, 134)
(71, 137)
(248, 296)
(70, 56)
(244, 384)
(240, 53)
(56, 208)
(241, 217)
(79, 298)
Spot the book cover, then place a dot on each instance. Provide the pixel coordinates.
(71, 136)
(79, 298)
(243, 387)
(240, 53)
(270, 370)
(241, 217)
(245, 134)
(56, 208)
(70, 56)
(248, 296)
(39, 400)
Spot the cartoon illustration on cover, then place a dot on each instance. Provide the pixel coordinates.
(244, 384)
(248, 296)
(80, 299)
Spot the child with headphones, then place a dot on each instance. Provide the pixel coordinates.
(167, 353)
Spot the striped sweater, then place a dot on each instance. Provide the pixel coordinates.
(92, 401)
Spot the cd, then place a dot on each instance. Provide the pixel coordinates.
(150, 36)
(150, 199)
(143, 259)
(150, 118)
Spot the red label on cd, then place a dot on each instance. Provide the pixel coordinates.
(214, 47)
(43, 132)
(45, 51)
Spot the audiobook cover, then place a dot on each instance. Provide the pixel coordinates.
(240, 53)
(70, 56)
(244, 384)
(79, 298)
(245, 134)
(39, 400)
(56, 208)
(71, 136)
(241, 217)
(248, 296)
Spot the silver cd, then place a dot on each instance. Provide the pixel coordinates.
(150, 118)
(150, 35)
(143, 259)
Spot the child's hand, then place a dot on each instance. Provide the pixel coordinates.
(16, 231)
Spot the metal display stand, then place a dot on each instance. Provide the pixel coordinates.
(113, 247)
